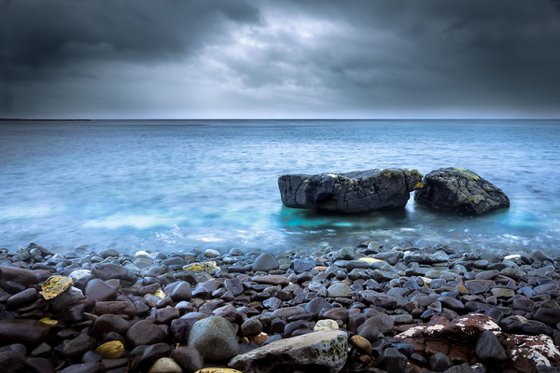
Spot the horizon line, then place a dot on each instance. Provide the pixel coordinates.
(257, 119)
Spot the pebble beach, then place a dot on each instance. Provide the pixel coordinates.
(366, 308)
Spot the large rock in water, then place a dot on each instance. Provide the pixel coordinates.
(352, 192)
(460, 191)
(323, 351)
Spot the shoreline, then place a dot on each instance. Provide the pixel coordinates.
(368, 308)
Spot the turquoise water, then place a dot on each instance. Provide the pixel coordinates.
(164, 185)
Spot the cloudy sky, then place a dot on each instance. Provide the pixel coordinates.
(279, 59)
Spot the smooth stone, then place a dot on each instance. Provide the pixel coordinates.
(549, 316)
(22, 298)
(109, 323)
(19, 275)
(114, 307)
(393, 361)
(39, 365)
(287, 312)
(111, 350)
(425, 256)
(145, 332)
(379, 299)
(108, 271)
(265, 262)
(12, 357)
(211, 253)
(383, 322)
(188, 358)
(251, 326)
(361, 344)
(324, 325)
(99, 290)
(272, 280)
(339, 289)
(165, 365)
(76, 347)
(489, 348)
(210, 332)
(28, 332)
(440, 362)
(503, 292)
(92, 367)
(108, 253)
(322, 351)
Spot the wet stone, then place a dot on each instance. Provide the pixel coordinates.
(99, 290)
(188, 358)
(265, 262)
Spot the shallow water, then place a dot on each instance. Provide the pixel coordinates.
(165, 185)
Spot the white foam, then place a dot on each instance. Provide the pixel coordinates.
(131, 220)
(19, 212)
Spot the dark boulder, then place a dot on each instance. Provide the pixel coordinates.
(352, 192)
(461, 192)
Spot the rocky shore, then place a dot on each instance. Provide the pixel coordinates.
(367, 308)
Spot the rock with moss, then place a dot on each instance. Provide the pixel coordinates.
(324, 351)
(352, 192)
(460, 191)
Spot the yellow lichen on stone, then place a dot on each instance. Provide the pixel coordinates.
(218, 370)
(201, 266)
(159, 293)
(467, 174)
(165, 365)
(48, 321)
(111, 350)
(54, 286)
(419, 185)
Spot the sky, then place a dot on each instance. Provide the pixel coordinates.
(279, 59)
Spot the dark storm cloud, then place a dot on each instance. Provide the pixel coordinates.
(280, 58)
(41, 33)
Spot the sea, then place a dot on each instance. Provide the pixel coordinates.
(178, 185)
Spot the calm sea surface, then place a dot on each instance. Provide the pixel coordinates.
(165, 185)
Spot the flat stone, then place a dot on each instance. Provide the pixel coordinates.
(28, 332)
(145, 332)
(351, 192)
(114, 307)
(22, 298)
(549, 316)
(20, 275)
(503, 292)
(108, 271)
(379, 299)
(272, 280)
(323, 351)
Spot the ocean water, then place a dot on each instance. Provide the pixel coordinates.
(174, 185)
